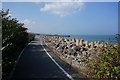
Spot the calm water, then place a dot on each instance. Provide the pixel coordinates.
(93, 37)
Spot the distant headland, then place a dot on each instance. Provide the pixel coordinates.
(53, 35)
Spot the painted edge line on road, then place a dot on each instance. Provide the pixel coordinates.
(11, 73)
(69, 76)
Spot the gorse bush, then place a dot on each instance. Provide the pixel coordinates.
(106, 63)
(30, 36)
(14, 39)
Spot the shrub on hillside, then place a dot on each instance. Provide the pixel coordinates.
(14, 39)
(106, 63)
(30, 37)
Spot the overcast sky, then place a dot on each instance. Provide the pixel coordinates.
(88, 18)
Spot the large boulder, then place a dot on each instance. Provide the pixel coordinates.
(83, 49)
(60, 50)
(65, 51)
(74, 53)
(70, 51)
(83, 59)
(69, 45)
(84, 53)
(57, 45)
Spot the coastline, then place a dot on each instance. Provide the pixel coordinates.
(93, 38)
(75, 52)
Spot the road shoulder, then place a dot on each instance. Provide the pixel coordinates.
(68, 68)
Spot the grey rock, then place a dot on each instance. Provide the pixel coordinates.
(75, 53)
(77, 48)
(84, 53)
(83, 59)
(69, 45)
(70, 50)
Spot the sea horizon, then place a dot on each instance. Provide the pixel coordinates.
(94, 38)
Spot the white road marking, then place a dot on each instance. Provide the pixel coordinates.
(69, 76)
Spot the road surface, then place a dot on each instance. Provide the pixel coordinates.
(37, 62)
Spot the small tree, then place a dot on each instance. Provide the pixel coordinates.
(14, 38)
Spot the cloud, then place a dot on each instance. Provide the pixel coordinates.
(27, 21)
(63, 9)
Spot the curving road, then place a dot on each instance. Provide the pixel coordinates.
(37, 62)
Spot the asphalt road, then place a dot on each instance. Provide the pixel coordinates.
(35, 64)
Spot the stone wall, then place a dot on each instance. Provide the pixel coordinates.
(74, 51)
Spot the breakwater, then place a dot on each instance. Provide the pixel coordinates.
(75, 52)
(91, 38)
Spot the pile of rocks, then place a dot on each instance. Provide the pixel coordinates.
(74, 51)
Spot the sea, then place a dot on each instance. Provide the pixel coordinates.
(93, 38)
